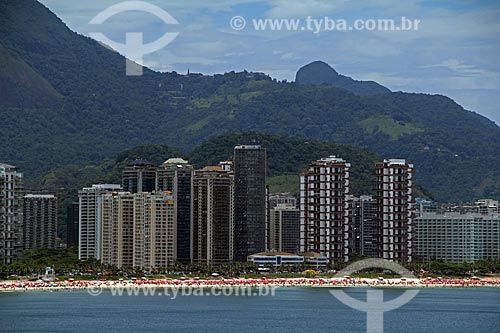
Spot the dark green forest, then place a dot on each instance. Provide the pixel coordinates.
(65, 102)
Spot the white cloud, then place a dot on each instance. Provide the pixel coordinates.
(302, 8)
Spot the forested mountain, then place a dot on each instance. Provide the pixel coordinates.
(319, 72)
(65, 99)
(285, 156)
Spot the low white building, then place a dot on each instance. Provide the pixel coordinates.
(275, 258)
(284, 258)
(457, 238)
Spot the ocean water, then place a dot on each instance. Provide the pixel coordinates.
(289, 310)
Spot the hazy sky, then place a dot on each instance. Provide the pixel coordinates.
(455, 51)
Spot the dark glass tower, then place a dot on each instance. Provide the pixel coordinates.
(249, 200)
(212, 216)
(39, 221)
(139, 176)
(176, 175)
(72, 213)
(364, 222)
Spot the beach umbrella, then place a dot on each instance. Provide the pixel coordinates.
(215, 274)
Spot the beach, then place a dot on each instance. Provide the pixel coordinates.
(344, 282)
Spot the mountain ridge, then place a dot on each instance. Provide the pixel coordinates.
(319, 72)
(103, 112)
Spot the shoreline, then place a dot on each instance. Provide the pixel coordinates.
(414, 283)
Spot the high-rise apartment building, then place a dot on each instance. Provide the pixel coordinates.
(364, 225)
(11, 212)
(138, 229)
(72, 224)
(176, 175)
(39, 221)
(273, 200)
(284, 228)
(488, 206)
(213, 213)
(89, 229)
(139, 176)
(324, 208)
(395, 209)
(249, 164)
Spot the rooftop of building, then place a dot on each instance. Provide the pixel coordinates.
(332, 159)
(248, 145)
(273, 254)
(140, 163)
(395, 162)
(111, 187)
(487, 202)
(162, 194)
(7, 166)
(310, 254)
(215, 168)
(175, 160)
(283, 195)
(39, 196)
(285, 206)
(458, 216)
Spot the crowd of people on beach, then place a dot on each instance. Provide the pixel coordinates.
(251, 282)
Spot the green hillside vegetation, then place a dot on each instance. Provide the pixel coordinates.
(284, 183)
(20, 85)
(103, 112)
(389, 126)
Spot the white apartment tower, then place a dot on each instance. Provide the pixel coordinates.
(324, 208)
(395, 209)
(138, 229)
(89, 202)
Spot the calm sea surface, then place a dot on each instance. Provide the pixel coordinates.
(289, 310)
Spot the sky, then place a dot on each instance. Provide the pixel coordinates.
(454, 52)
